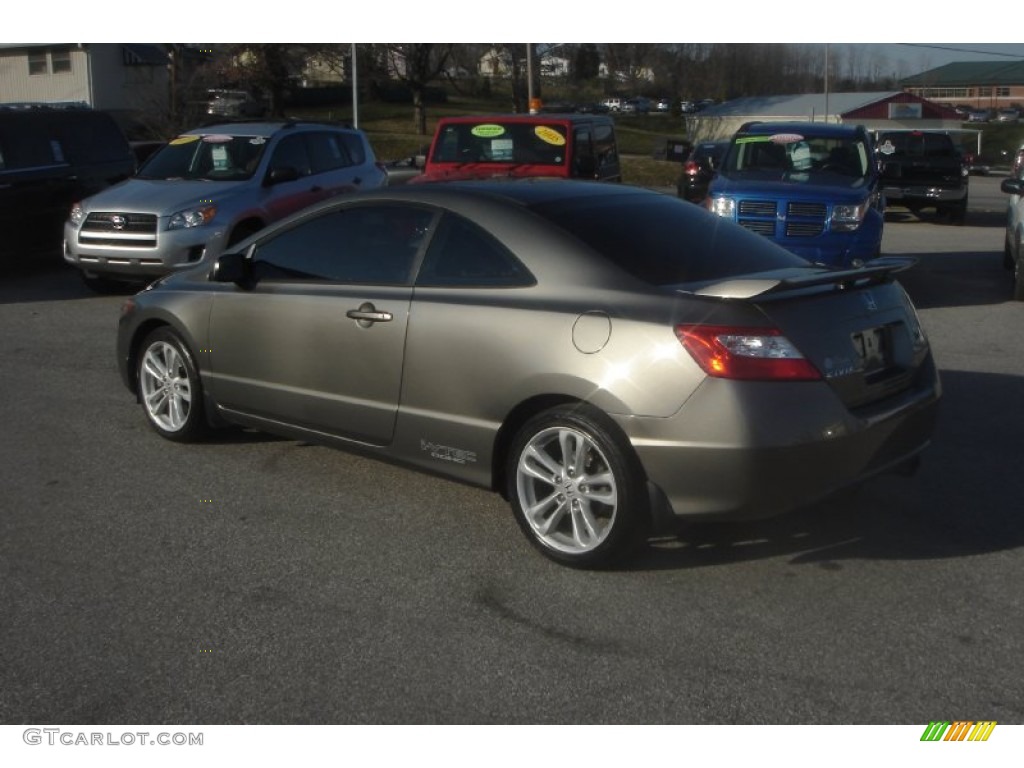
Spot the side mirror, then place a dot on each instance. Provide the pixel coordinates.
(232, 268)
(281, 174)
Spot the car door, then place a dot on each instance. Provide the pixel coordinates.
(314, 183)
(317, 340)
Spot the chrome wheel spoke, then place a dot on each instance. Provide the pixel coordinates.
(534, 456)
(584, 526)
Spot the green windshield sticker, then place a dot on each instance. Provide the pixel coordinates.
(549, 135)
(487, 130)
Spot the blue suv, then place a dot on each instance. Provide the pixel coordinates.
(811, 187)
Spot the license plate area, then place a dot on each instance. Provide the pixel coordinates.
(873, 348)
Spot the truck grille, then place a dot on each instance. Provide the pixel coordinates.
(766, 228)
(757, 208)
(125, 230)
(804, 228)
(808, 210)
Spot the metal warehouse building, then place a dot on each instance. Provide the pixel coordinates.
(876, 111)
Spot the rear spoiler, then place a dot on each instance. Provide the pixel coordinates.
(878, 271)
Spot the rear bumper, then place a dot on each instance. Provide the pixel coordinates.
(759, 450)
(924, 194)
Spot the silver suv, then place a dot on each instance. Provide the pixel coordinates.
(208, 189)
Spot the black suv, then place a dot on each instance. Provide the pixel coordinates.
(698, 169)
(49, 158)
(923, 169)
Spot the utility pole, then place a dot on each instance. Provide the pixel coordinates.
(529, 79)
(355, 88)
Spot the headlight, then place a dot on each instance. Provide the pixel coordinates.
(193, 217)
(77, 215)
(846, 218)
(723, 206)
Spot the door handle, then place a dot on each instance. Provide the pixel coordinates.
(367, 315)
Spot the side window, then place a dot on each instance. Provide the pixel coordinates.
(583, 163)
(370, 244)
(604, 146)
(326, 152)
(291, 152)
(353, 143)
(461, 254)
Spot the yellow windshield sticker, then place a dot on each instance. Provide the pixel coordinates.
(549, 135)
(487, 130)
(183, 140)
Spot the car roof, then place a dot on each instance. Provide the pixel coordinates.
(265, 128)
(545, 117)
(522, 192)
(817, 129)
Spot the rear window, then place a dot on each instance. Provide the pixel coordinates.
(920, 145)
(665, 241)
(494, 141)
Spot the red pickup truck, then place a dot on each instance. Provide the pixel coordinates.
(487, 146)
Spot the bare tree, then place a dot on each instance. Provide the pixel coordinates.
(417, 65)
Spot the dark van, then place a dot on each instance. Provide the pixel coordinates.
(484, 146)
(49, 159)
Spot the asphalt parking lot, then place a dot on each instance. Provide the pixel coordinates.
(261, 580)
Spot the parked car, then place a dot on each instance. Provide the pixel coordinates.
(637, 106)
(663, 105)
(811, 187)
(1008, 115)
(552, 341)
(924, 169)
(698, 170)
(49, 158)
(977, 165)
(1014, 234)
(578, 146)
(235, 104)
(979, 116)
(206, 190)
(613, 103)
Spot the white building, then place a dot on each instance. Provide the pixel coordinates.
(122, 78)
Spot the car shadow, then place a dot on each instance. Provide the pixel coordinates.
(29, 277)
(965, 500)
(957, 279)
(974, 218)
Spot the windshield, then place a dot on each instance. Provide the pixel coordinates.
(793, 153)
(497, 142)
(214, 157)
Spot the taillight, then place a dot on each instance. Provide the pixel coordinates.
(690, 168)
(753, 354)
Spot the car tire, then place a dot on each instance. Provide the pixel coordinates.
(1008, 261)
(588, 516)
(169, 387)
(1018, 280)
(957, 213)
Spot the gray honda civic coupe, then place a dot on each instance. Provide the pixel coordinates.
(610, 359)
